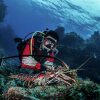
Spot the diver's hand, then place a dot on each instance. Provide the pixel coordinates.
(49, 65)
(51, 68)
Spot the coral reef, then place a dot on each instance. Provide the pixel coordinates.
(16, 89)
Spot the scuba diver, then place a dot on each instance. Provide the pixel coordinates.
(42, 43)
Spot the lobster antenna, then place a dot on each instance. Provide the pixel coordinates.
(84, 63)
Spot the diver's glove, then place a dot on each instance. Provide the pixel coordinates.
(49, 65)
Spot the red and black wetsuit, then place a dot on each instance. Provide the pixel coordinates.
(35, 63)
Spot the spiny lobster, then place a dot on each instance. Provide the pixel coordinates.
(57, 76)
